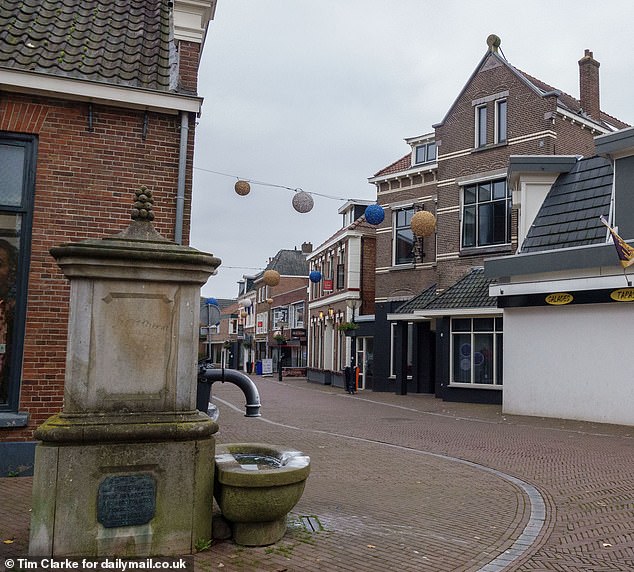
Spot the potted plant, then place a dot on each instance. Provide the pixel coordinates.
(347, 327)
(279, 338)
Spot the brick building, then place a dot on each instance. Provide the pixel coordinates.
(443, 334)
(341, 300)
(96, 100)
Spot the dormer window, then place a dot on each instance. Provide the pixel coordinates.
(425, 153)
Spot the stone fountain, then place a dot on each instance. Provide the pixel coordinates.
(127, 468)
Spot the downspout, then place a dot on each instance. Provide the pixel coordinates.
(180, 190)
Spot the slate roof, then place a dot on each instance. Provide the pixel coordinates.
(289, 263)
(417, 302)
(471, 291)
(569, 215)
(121, 42)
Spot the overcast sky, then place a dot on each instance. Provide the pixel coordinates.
(320, 95)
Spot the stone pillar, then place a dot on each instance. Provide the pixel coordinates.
(126, 469)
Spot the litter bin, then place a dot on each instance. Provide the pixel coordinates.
(258, 367)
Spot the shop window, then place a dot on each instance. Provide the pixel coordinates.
(476, 351)
(486, 214)
(17, 176)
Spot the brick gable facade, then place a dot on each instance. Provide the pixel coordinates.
(539, 121)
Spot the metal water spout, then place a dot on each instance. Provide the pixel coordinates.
(243, 381)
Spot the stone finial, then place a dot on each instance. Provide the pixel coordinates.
(142, 207)
(493, 42)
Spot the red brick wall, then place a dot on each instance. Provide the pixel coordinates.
(84, 188)
(188, 54)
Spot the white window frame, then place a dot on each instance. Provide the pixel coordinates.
(480, 127)
(498, 104)
(426, 146)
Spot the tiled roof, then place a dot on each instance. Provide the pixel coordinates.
(289, 263)
(121, 42)
(570, 213)
(418, 302)
(401, 164)
(471, 291)
(571, 103)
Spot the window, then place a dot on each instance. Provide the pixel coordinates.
(17, 176)
(425, 153)
(341, 276)
(476, 351)
(500, 121)
(486, 214)
(481, 126)
(297, 315)
(280, 316)
(403, 237)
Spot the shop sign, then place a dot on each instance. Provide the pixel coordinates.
(328, 284)
(559, 299)
(623, 295)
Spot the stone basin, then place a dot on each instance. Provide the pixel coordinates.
(256, 486)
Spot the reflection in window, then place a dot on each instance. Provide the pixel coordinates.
(486, 214)
(476, 350)
(403, 236)
(8, 285)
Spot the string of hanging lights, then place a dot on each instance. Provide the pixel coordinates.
(423, 223)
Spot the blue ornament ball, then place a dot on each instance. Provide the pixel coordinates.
(374, 214)
(315, 276)
(212, 301)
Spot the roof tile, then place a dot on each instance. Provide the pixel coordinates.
(124, 42)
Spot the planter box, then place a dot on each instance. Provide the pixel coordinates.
(319, 376)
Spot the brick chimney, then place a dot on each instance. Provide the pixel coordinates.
(589, 85)
(307, 247)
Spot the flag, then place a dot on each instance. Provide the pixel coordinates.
(624, 251)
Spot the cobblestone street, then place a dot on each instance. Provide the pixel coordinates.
(416, 484)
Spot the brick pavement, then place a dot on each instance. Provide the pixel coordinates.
(414, 483)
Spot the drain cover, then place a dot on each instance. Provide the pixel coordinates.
(311, 523)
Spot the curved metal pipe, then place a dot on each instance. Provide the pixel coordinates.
(243, 381)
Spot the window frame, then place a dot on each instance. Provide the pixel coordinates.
(497, 357)
(481, 135)
(476, 189)
(425, 148)
(400, 231)
(24, 211)
(501, 120)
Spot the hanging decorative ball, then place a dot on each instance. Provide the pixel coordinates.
(243, 314)
(242, 188)
(374, 214)
(246, 303)
(211, 301)
(269, 301)
(423, 223)
(271, 277)
(315, 276)
(303, 202)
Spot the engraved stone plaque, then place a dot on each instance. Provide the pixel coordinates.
(126, 500)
